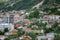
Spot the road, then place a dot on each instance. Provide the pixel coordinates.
(39, 4)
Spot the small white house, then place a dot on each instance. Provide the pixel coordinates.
(49, 36)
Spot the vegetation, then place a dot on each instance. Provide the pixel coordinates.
(53, 11)
(6, 30)
(6, 39)
(34, 14)
(23, 4)
(54, 28)
(32, 35)
(1, 32)
(12, 36)
(57, 37)
(21, 32)
(50, 6)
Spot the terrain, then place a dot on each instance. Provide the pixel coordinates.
(26, 4)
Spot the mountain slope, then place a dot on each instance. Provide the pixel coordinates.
(23, 4)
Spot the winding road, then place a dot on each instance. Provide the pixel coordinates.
(39, 4)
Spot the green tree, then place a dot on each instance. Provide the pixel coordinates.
(57, 37)
(48, 30)
(21, 32)
(1, 32)
(35, 14)
(32, 35)
(6, 39)
(49, 11)
(6, 30)
(12, 36)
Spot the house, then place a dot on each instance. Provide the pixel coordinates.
(50, 18)
(25, 37)
(7, 33)
(27, 29)
(38, 31)
(20, 27)
(26, 21)
(41, 37)
(14, 31)
(34, 20)
(45, 21)
(49, 36)
(18, 24)
(34, 26)
(48, 26)
(11, 32)
(16, 17)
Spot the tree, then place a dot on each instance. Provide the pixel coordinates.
(55, 24)
(1, 32)
(57, 37)
(57, 12)
(32, 35)
(12, 36)
(48, 30)
(49, 11)
(21, 32)
(6, 39)
(34, 14)
(6, 30)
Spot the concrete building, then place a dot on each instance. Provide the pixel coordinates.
(2, 37)
(6, 25)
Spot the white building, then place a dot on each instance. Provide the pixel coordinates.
(49, 36)
(6, 25)
(2, 37)
(52, 17)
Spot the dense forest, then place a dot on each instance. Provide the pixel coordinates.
(25, 4)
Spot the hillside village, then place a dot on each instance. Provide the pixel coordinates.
(21, 25)
(40, 21)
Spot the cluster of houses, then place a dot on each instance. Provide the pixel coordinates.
(10, 20)
(14, 19)
(49, 19)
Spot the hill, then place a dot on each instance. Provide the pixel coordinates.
(20, 4)
(26, 4)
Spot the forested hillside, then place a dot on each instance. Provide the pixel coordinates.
(51, 6)
(21, 4)
(50, 3)
(25, 4)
